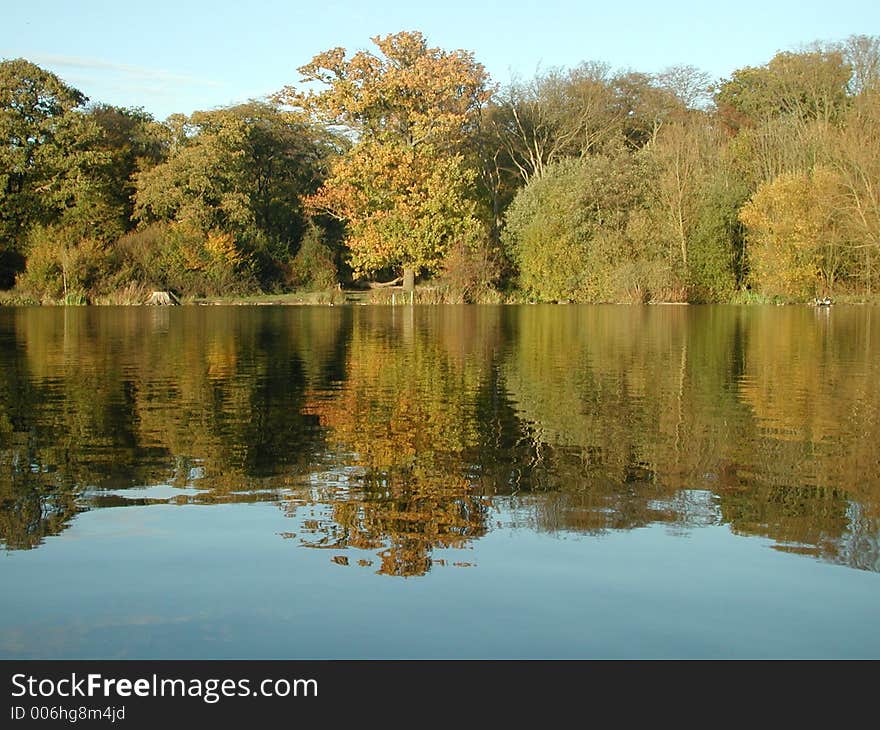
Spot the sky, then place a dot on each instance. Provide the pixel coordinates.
(182, 55)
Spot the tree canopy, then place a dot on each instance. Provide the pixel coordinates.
(404, 186)
(588, 183)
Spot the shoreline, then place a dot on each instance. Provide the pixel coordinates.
(300, 301)
(395, 296)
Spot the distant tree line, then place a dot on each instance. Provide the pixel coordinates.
(582, 184)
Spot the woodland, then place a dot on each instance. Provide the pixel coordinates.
(407, 163)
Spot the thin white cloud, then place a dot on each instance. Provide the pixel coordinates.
(131, 72)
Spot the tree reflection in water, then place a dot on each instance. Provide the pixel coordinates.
(416, 430)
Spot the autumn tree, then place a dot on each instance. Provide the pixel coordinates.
(403, 188)
(413, 496)
(804, 86)
(585, 111)
(855, 156)
(688, 84)
(862, 54)
(643, 104)
(498, 173)
(793, 234)
(695, 198)
(682, 151)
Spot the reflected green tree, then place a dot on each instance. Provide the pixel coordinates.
(93, 401)
(687, 416)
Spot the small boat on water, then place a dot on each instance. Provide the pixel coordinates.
(824, 302)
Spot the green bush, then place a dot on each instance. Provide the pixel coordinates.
(61, 266)
(313, 267)
(541, 234)
(716, 247)
(583, 231)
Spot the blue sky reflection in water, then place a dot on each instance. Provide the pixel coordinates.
(440, 482)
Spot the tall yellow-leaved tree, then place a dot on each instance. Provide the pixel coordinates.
(403, 188)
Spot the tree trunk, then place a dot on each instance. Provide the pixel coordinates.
(409, 278)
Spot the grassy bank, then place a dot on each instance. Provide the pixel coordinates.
(383, 296)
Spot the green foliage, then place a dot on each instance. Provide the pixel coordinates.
(132, 142)
(716, 261)
(809, 85)
(66, 168)
(34, 110)
(313, 267)
(201, 181)
(241, 171)
(540, 235)
(236, 168)
(45, 150)
(583, 231)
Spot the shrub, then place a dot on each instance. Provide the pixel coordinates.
(313, 267)
(542, 236)
(471, 268)
(716, 265)
(137, 257)
(63, 266)
(576, 232)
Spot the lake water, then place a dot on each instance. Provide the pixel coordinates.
(486, 482)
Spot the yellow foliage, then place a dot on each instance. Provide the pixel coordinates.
(410, 92)
(222, 249)
(792, 233)
(403, 189)
(404, 205)
(406, 417)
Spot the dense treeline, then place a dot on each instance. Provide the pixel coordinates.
(582, 184)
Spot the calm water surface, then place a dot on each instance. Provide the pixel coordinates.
(559, 481)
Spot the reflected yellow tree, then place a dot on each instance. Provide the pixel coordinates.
(811, 384)
(406, 417)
